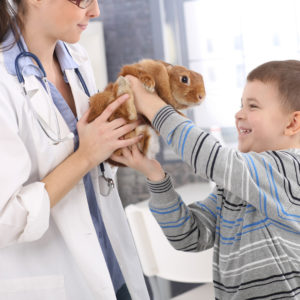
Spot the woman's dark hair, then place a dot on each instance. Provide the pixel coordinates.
(9, 19)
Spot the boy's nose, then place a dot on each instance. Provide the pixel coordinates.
(240, 114)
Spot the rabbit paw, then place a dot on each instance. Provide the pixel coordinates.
(124, 88)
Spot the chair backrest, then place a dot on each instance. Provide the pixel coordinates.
(158, 257)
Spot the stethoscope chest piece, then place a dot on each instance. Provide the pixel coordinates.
(106, 184)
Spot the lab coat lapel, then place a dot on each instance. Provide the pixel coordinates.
(44, 107)
(80, 97)
(39, 105)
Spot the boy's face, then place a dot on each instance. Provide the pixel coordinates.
(261, 121)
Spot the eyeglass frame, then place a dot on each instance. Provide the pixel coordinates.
(77, 3)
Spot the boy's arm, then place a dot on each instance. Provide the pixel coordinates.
(268, 181)
(189, 228)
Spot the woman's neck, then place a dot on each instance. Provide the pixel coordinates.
(42, 46)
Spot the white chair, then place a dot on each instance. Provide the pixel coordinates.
(161, 261)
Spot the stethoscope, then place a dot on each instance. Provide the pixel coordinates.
(55, 138)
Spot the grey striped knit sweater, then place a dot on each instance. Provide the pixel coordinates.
(252, 218)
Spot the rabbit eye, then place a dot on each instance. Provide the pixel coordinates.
(184, 79)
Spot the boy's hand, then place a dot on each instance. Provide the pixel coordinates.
(146, 103)
(134, 159)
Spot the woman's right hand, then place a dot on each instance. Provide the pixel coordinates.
(100, 138)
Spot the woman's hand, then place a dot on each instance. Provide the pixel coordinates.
(133, 158)
(100, 138)
(146, 103)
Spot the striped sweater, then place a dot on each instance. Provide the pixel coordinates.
(251, 218)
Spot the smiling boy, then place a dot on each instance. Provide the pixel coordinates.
(252, 217)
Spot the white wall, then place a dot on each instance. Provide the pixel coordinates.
(92, 39)
(227, 39)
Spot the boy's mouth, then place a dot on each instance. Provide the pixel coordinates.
(244, 131)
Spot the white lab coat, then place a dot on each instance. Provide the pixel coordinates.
(54, 254)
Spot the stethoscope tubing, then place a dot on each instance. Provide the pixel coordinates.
(35, 58)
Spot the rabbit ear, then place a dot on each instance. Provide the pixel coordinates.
(167, 65)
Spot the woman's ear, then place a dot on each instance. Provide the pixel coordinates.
(294, 126)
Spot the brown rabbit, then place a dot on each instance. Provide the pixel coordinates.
(176, 85)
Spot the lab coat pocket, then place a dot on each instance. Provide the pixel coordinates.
(33, 288)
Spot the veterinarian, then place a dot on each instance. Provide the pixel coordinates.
(63, 232)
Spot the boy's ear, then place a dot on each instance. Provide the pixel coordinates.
(294, 125)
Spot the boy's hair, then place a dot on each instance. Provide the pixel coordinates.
(285, 75)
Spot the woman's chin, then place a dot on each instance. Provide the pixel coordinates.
(72, 39)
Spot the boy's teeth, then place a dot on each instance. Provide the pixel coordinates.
(245, 130)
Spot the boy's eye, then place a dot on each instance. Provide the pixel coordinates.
(253, 106)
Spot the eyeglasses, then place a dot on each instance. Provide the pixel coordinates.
(82, 3)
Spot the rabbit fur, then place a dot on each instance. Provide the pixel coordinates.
(176, 85)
